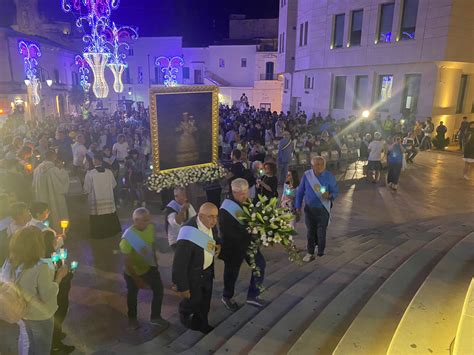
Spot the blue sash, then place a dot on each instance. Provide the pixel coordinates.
(143, 249)
(4, 223)
(197, 237)
(233, 208)
(175, 206)
(313, 181)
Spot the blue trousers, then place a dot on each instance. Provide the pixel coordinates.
(40, 336)
(231, 273)
(316, 220)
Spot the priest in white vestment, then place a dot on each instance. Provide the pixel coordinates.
(99, 185)
(50, 185)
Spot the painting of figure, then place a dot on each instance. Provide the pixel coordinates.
(184, 127)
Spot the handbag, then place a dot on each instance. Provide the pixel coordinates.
(12, 302)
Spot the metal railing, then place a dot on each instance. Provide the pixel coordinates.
(268, 76)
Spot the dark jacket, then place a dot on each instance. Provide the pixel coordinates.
(235, 238)
(189, 260)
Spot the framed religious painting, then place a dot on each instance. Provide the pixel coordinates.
(184, 123)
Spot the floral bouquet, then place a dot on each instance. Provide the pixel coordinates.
(269, 226)
(184, 177)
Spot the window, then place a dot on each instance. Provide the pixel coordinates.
(75, 79)
(339, 94)
(127, 77)
(462, 94)
(198, 76)
(130, 52)
(356, 28)
(301, 34)
(386, 22)
(409, 15)
(282, 3)
(338, 31)
(308, 82)
(56, 76)
(287, 83)
(384, 91)
(221, 63)
(305, 39)
(361, 92)
(280, 41)
(185, 72)
(411, 92)
(243, 62)
(283, 44)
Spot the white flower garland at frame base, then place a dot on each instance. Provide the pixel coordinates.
(184, 177)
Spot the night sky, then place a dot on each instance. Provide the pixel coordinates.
(200, 22)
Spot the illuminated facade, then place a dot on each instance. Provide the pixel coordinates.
(389, 57)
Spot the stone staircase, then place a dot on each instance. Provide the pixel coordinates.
(393, 290)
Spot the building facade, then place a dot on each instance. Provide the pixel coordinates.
(242, 64)
(391, 57)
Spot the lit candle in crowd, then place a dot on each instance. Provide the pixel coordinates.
(64, 225)
(74, 265)
(322, 189)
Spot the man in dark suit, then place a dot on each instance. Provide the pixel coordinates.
(193, 267)
(235, 244)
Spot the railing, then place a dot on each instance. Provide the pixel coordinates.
(268, 76)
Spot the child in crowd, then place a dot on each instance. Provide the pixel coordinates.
(289, 192)
(39, 219)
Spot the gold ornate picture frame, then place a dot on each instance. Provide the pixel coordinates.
(184, 124)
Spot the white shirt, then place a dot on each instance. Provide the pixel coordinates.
(79, 152)
(375, 150)
(120, 150)
(208, 258)
(173, 227)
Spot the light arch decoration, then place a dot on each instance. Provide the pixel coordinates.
(30, 52)
(170, 68)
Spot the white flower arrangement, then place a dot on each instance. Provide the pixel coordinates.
(184, 177)
(269, 226)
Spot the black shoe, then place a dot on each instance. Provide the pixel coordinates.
(230, 304)
(62, 336)
(320, 254)
(61, 348)
(207, 329)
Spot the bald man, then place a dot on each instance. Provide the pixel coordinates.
(193, 267)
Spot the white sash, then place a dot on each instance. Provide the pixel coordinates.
(198, 237)
(142, 248)
(313, 181)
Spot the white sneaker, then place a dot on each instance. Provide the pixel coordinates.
(390, 185)
(467, 177)
(308, 257)
(395, 187)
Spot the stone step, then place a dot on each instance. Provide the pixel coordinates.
(224, 331)
(383, 311)
(334, 279)
(464, 343)
(430, 322)
(250, 333)
(338, 314)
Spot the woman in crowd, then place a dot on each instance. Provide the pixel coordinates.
(38, 285)
(395, 162)
(267, 185)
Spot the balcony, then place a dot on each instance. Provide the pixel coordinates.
(269, 76)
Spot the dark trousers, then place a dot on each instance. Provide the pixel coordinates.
(63, 307)
(193, 311)
(316, 220)
(214, 196)
(411, 154)
(231, 274)
(9, 342)
(393, 174)
(151, 278)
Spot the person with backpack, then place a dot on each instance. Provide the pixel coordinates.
(29, 290)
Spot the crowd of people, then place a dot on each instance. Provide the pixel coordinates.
(109, 155)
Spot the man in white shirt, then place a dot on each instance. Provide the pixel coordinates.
(120, 149)
(374, 166)
(177, 212)
(193, 268)
(79, 152)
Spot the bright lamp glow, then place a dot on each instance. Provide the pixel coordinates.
(97, 62)
(27, 82)
(49, 82)
(366, 113)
